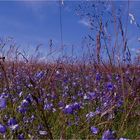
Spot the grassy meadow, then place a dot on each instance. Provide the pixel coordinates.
(96, 96)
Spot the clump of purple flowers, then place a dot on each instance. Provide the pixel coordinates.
(108, 135)
(52, 102)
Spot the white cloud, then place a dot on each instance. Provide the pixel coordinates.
(84, 22)
(135, 50)
(36, 8)
(40, 8)
(132, 19)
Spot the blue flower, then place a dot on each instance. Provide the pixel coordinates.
(123, 139)
(76, 106)
(24, 103)
(14, 127)
(94, 130)
(80, 94)
(13, 124)
(92, 95)
(21, 136)
(29, 98)
(2, 103)
(120, 103)
(32, 118)
(12, 121)
(108, 134)
(110, 86)
(48, 106)
(21, 109)
(39, 75)
(98, 76)
(2, 129)
(68, 109)
(4, 95)
(90, 115)
(86, 97)
(61, 104)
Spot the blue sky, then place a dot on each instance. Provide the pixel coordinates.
(32, 22)
(36, 22)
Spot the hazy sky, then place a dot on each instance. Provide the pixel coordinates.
(34, 22)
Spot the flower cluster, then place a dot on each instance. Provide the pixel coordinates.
(40, 102)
